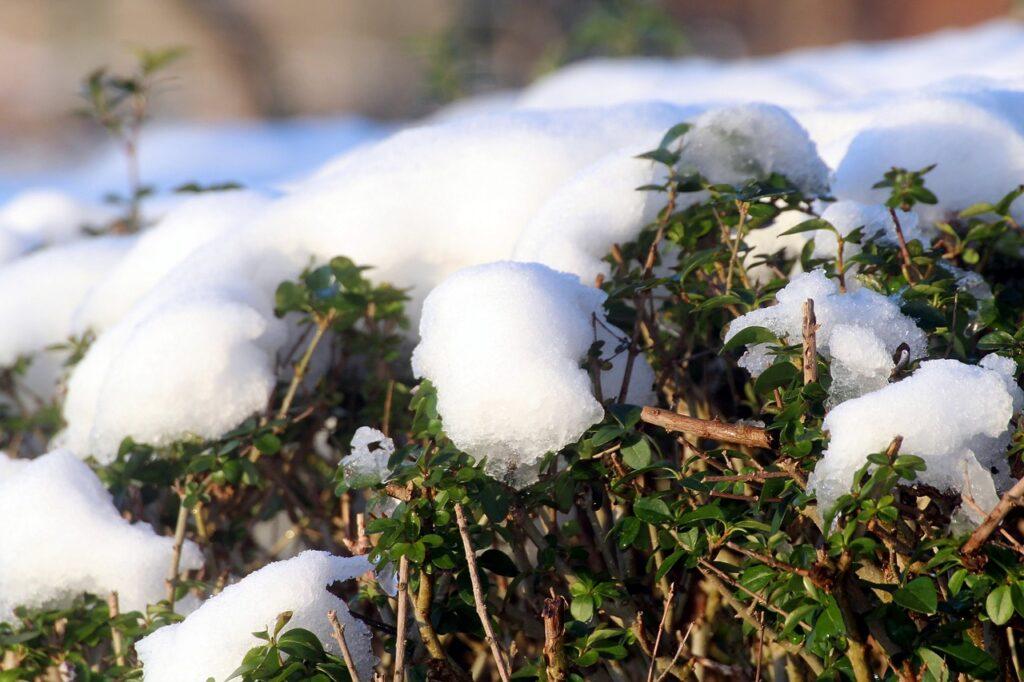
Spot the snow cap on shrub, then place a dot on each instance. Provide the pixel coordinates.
(213, 639)
(38, 297)
(954, 416)
(183, 229)
(505, 344)
(62, 536)
(197, 354)
(602, 205)
(39, 217)
(865, 321)
(367, 464)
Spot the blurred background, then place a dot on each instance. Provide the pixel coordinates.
(385, 59)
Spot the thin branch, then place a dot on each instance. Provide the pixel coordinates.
(810, 332)
(116, 638)
(303, 364)
(1011, 499)
(666, 610)
(557, 665)
(736, 434)
(179, 541)
(339, 636)
(401, 618)
(478, 595)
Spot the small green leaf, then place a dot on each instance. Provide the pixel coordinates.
(750, 336)
(918, 595)
(999, 605)
(637, 453)
(652, 510)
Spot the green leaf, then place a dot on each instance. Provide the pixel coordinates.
(636, 454)
(301, 644)
(652, 510)
(999, 605)
(966, 658)
(497, 562)
(268, 444)
(582, 608)
(749, 336)
(812, 225)
(918, 595)
(935, 669)
(779, 375)
(670, 561)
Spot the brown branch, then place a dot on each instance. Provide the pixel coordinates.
(1011, 499)
(116, 638)
(478, 595)
(666, 610)
(401, 618)
(736, 434)
(908, 265)
(810, 330)
(747, 478)
(339, 636)
(557, 665)
(179, 541)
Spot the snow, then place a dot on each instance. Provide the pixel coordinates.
(876, 223)
(39, 294)
(504, 344)
(214, 638)
(62, 536)
(863, 324)
(601, 206)
(457, 193)
(367, 464)
(186, 227)
(954, 416)
(39, 217)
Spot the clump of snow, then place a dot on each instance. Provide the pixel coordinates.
(868, 325)
(731, 145)
(769, 240)
(38, 297)
(367, 464)
(975, 136)
(876, 223)
(954, 416)
(62, 536)
(602, 206)
(186, 227)
(214, 638)
(505, 344)
(197, 354)
(36, 218)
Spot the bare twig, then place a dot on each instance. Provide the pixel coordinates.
(737, 434)
(339, 637)
(810, 330)
(478, 595)
(401, 618)
(666, 610)
(179, 541)
(908, 265)
(1011, 499)
(116, 638)
(557, 665)
(322, 325)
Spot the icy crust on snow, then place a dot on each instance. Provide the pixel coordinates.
(197, 354)
(954, 416)
(858, 329)
(63, 536)
(40, 217)
(601, 206)
(505, 344)
(39, 294)
(214, 638)
(367, 463)
(187, 226)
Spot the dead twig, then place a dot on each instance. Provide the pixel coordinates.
(1011, 499)
(736, 434)
(401, 618)
(557, 665)
(810, 332)
(339, 636)
(478, 595)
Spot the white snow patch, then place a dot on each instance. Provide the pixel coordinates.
(214, 638)
(63, 537)
(367, 464)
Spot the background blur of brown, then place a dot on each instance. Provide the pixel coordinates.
(388, 59)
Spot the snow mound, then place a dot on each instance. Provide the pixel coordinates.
(214, 638)
(876, 221)
(954, 416)
(63, 536)
(38, 297)
(862, 321)
(505, 344)
(38, 217)
(187, 226)
(975, 136)
(197, 354)
(367, 464)
(601, 206)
